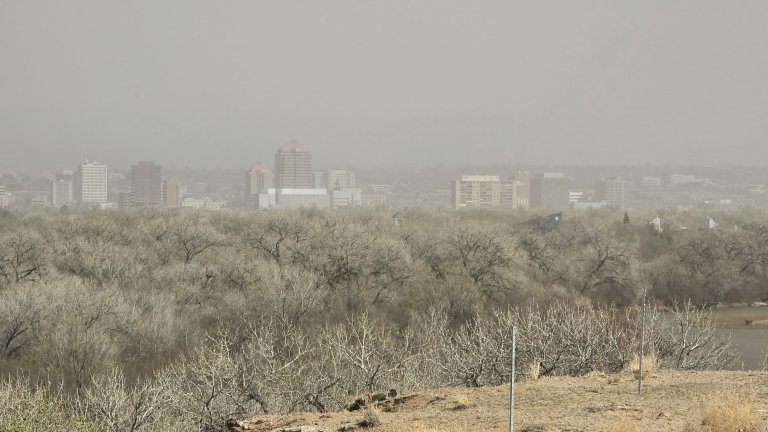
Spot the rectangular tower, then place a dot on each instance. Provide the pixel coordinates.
(611, 190)
(258, 180)
(293, 167)
(91, 183)
(550, 191)
(146, 184)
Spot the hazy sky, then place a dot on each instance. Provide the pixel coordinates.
(373, 83)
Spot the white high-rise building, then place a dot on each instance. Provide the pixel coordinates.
(91, 183)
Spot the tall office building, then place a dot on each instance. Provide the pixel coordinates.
(172, 194)
(146, 184)
(610, 190)
(293, 167)
(258, 180)
(91, 183)
(550, 191)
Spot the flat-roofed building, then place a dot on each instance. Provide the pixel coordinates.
(489, 191)
(258, 180)
(90, 183)
(146, 184)
(6, 198)
(341, 179)
(62, 192)
(172, 192)
(550, 191)
(297, 198)
(611, 190)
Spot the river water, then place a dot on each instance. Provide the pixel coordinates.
(750, 341)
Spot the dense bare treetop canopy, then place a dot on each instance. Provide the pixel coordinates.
(165, 319)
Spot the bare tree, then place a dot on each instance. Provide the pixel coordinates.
(192, 236)
(369, 353)
(119, 407)
(22, 256)
(21, 312)
(692, 340)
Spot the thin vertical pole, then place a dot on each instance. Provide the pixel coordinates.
(512, 386)
(642, 343)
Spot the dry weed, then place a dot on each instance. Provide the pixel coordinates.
(463, 399)
(731, 412)
(370, 418)
(534, 370)
(649, 365)
(622, 426)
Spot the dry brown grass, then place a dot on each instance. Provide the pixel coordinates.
(423, 428)
(622, 426)
(731, 412)
(649, 365)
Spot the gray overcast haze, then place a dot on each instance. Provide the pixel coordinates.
(375, 83)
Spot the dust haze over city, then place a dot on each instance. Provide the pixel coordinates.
(370, 84)
(316, 216)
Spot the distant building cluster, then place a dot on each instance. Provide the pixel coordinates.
(548, 191)
(291, 180)
(294, 183)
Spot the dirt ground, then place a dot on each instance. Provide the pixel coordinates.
(598, 402)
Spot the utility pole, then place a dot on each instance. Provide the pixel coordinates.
(512, 386)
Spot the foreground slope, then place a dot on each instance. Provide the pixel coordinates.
(671, 400)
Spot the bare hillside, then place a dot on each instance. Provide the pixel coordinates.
(671, 401)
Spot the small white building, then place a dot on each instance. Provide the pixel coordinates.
(346, 198)
(297, 198)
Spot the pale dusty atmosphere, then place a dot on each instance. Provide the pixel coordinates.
(195, 83)
(395, 216)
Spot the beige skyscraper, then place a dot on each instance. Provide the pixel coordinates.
(146, 184)
(172, 195)
(293, 167)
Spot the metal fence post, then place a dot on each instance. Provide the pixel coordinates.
(642, 343)
(512, 385)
